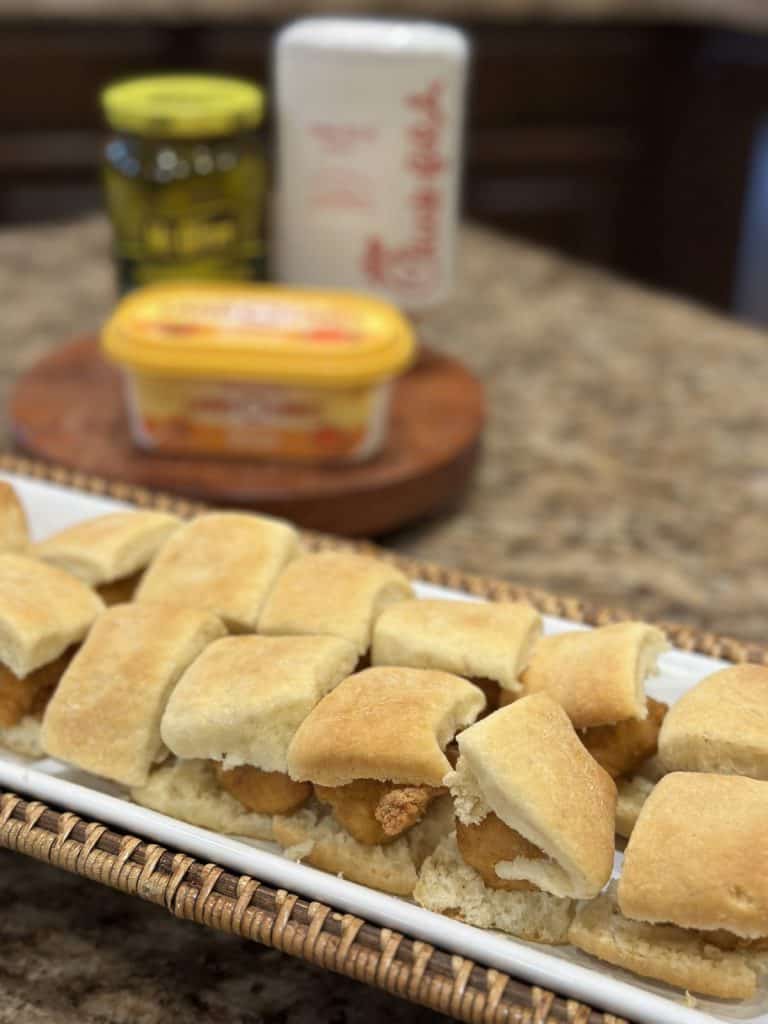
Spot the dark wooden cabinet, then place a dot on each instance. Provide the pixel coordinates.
(627, 145)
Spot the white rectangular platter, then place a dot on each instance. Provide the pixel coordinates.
(562, 969)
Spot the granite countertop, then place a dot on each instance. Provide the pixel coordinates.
(744, 14)
(625, 461)
(74, 952)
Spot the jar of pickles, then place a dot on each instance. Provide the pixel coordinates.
(185, 178)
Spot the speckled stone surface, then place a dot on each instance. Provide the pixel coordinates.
(626, 460)
(72, 952)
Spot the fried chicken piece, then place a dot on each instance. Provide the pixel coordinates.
(29, 696)
(264, 792)
(376, 812)
(483, 845)
(119, 591)
(354, 807)
(401, 809)
(622, 747)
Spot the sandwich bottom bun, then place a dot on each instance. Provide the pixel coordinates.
(632, 794)
(23, 738)
(313, 836)
(686, 959)
(188, 790)
(450, 886)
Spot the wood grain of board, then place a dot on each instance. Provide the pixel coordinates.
(68, 409)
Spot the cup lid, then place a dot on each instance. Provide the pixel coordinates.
(263, 332)
(183, 105)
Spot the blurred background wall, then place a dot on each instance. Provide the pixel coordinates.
(625, 138)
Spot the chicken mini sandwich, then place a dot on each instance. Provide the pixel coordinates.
(721, 725)
(44, 615)
(230, 721)
(598, 676)
(110, 552)
(691, 908)
(222, 562)
(105, 715)
(374, 751)
(487, 642)
(333, 594)
(534, 825)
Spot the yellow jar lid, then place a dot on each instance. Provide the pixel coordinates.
(183, 106)
(258, 332)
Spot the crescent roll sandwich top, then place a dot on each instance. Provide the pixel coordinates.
(110, 552)
(389, 724)
(335, 594)
(486, 642)
(598, 676)
(44, 614)
(524, 766)
(721, 725)
(374, 750)
(224, 563)
(534, 825)
(672, 871)
(692, 903)
(14, 530)
(105, 715)
(230, 721)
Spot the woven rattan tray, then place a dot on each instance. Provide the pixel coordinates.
(313, 931)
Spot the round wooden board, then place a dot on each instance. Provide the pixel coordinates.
(68, 409)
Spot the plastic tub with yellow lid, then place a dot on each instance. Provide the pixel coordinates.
(256, 370)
